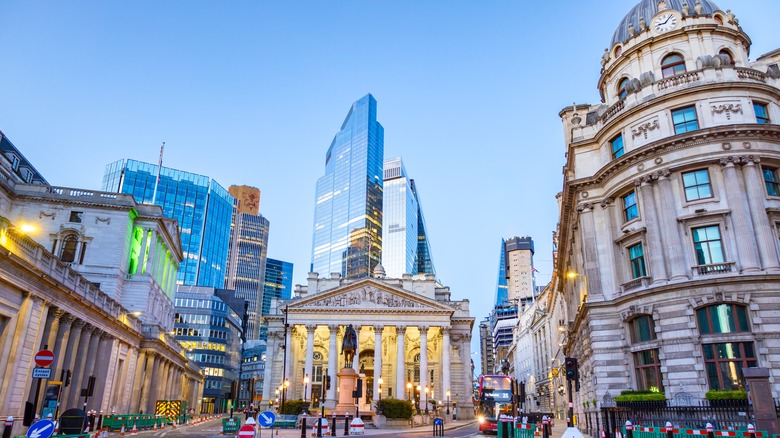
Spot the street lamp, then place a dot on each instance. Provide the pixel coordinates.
(305, 386)
(426, 400)
(448, 402)
(419, 390)
(378, 412)
(284, 387)
(409, 391)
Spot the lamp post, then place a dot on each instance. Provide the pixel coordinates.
(426, 400)
(409, 391)
(305, 386)
(285, 385)
(419, 389)
(378, 409)
(448, 402)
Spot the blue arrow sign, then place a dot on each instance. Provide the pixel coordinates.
(265, 419)
(41, 429)
(438, 421)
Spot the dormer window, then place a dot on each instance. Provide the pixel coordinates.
(673, 64)
(622, 92)
(718, 19)
(725, 55)
(618, 51)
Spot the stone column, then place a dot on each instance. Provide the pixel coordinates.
(670, 229)
(445, 362)
(141, 255)
(60, 344)
(423, 360)
(140, 365)
(378, 329)
(743, 227)
(105, 347)
(151, 393)
(79, 369)
(765, 235)
(655, 250)
(356, 359)
(309, 361)
(589, 251)
(69, 361)
(333, 360)
(465, 403)
(51, 328)
(287, 355)
(267, 372)
(400, 368)
(89, 366)
(152, 266)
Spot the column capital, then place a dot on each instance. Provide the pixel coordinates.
(728, 161)
(379, 328)
(66, 320)
(663, 174)
(311, 328)
(77, 324)
(334, 328)
(750, 160)
(401, 329)
(445, 330)
(423, 329)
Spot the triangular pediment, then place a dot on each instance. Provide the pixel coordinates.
(369, 295)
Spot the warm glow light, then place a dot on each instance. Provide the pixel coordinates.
(409, 385)
(381, 381)
(306, 380)
(419, 387)
(27, 228)
(571, 274)
(137, 313)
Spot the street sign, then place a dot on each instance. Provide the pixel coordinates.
(41, 373)
(266, 419)
(438, 421)
(44, 358)
(246, 431)
(41, 429)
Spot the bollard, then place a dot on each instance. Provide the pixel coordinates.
(710, 431)
(333, 428)
(346, 424)
(9, 426)
(629, 429)
(303, 426)
(319, 427)
(751, 431)
(669, 430)
(545, 425)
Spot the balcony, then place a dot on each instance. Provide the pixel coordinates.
(713, 269)
(637, 283)
(677, 80)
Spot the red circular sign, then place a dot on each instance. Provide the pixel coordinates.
(246, 430)
(44, 358)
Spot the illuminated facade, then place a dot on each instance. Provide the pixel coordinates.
(247, 254)
(348, 211)
(201, 206)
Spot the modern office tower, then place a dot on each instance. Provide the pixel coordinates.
(348, 210)
(245, 271)
(519, 259)
(502, 290)
(424, 255)
(18, 164)
(487, 354)
(208, 325)
(203, 208)
(278, 282)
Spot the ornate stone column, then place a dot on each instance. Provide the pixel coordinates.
(141, 256)
(50, 328)
(268, 385)
(89, 366)
(669, 228)
(589, 249)
(423, 360)
(400, 368)
(61, 341)
(138, 381)
(445, 362)
(378, 329)
(765, 235)
(743, 227)
(148, 391)
(79, 369)
(655, 249)
(69, 361)
(102, 366)
(465, 403)
(333, 360)
(309, 364)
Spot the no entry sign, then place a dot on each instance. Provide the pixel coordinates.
(246, 431)
(44, 358)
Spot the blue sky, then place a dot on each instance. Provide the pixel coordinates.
(252, 92)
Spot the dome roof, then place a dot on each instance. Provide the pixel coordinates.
(648, 8)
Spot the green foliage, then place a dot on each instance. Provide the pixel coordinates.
(726, 395)
(295, 407)
(394, 408)
(635, 396)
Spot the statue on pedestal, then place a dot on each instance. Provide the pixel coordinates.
(348, 346)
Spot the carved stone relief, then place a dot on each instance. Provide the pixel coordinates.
(367, 297)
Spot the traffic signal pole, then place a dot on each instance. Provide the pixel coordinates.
(571, 406)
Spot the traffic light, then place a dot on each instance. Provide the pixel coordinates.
(327, 382)
(572, 372)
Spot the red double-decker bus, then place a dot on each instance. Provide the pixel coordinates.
(494, 399)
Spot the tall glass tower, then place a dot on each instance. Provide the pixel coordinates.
(502, 288)
(202, 207)
(245, 272)
(405, 244)
(278, 284)
(348, 210)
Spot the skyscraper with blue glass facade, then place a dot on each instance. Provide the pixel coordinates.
(502, 289)
(348, 209)
(405, 244)
(278, 284)
(202, 207)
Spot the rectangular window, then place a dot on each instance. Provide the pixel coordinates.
(697, 185)
(76, 216)
(617, 147)
(706, 242)
(642, 329)
(648, 371)
(637, 256)
(630, 210)
(724, 363)
(762, 114)
(771, 182)
(684, 120)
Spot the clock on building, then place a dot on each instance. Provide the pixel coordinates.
(665, 22)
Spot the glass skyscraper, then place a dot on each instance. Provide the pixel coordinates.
(348, 210)
(247, 254)
(502, 288)
(405, 244)
(278, 284)
(202, 207)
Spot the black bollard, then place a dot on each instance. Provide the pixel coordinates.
(303, 426)
(9, 426)
(333, 428)
(710, 431)
(545, 424)
(629, 429)
(346, 424)
(669, 430)
(751, 431)
(319, 427)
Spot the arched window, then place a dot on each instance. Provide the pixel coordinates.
(726, 56)
(69, 245)
(642, 329)
(622, 93)
(673, 64)
(618, 51)
(724, 360)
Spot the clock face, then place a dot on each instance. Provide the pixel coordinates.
(665, 22)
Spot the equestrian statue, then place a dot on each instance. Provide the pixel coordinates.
(348, 346)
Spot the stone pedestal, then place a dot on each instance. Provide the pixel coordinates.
(347, 384)
(760, 392)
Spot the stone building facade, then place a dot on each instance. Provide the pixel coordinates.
(65, 284)
(395, 319)
(668, 233)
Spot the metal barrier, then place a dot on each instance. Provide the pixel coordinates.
(115, 422)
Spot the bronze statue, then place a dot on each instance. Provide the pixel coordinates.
(348, 346)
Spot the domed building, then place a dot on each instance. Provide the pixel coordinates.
(669, 260)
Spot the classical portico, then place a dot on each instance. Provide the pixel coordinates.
(409, 332)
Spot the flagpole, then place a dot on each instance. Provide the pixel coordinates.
(159, 170)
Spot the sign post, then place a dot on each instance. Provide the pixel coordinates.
(43, 358)
(266, 419)
(246, 431)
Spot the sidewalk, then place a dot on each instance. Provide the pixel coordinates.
(296, 433)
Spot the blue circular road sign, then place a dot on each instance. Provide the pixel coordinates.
(266, 418)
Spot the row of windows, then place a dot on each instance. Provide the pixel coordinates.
(198, 332)
(200, 304)
(216, 372)
(686, 120)
(213, 384)
(723, 361)
(202, 345)
(207, 358)
(189, 318)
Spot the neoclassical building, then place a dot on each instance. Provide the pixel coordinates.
(668, 234)
(411, 333)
